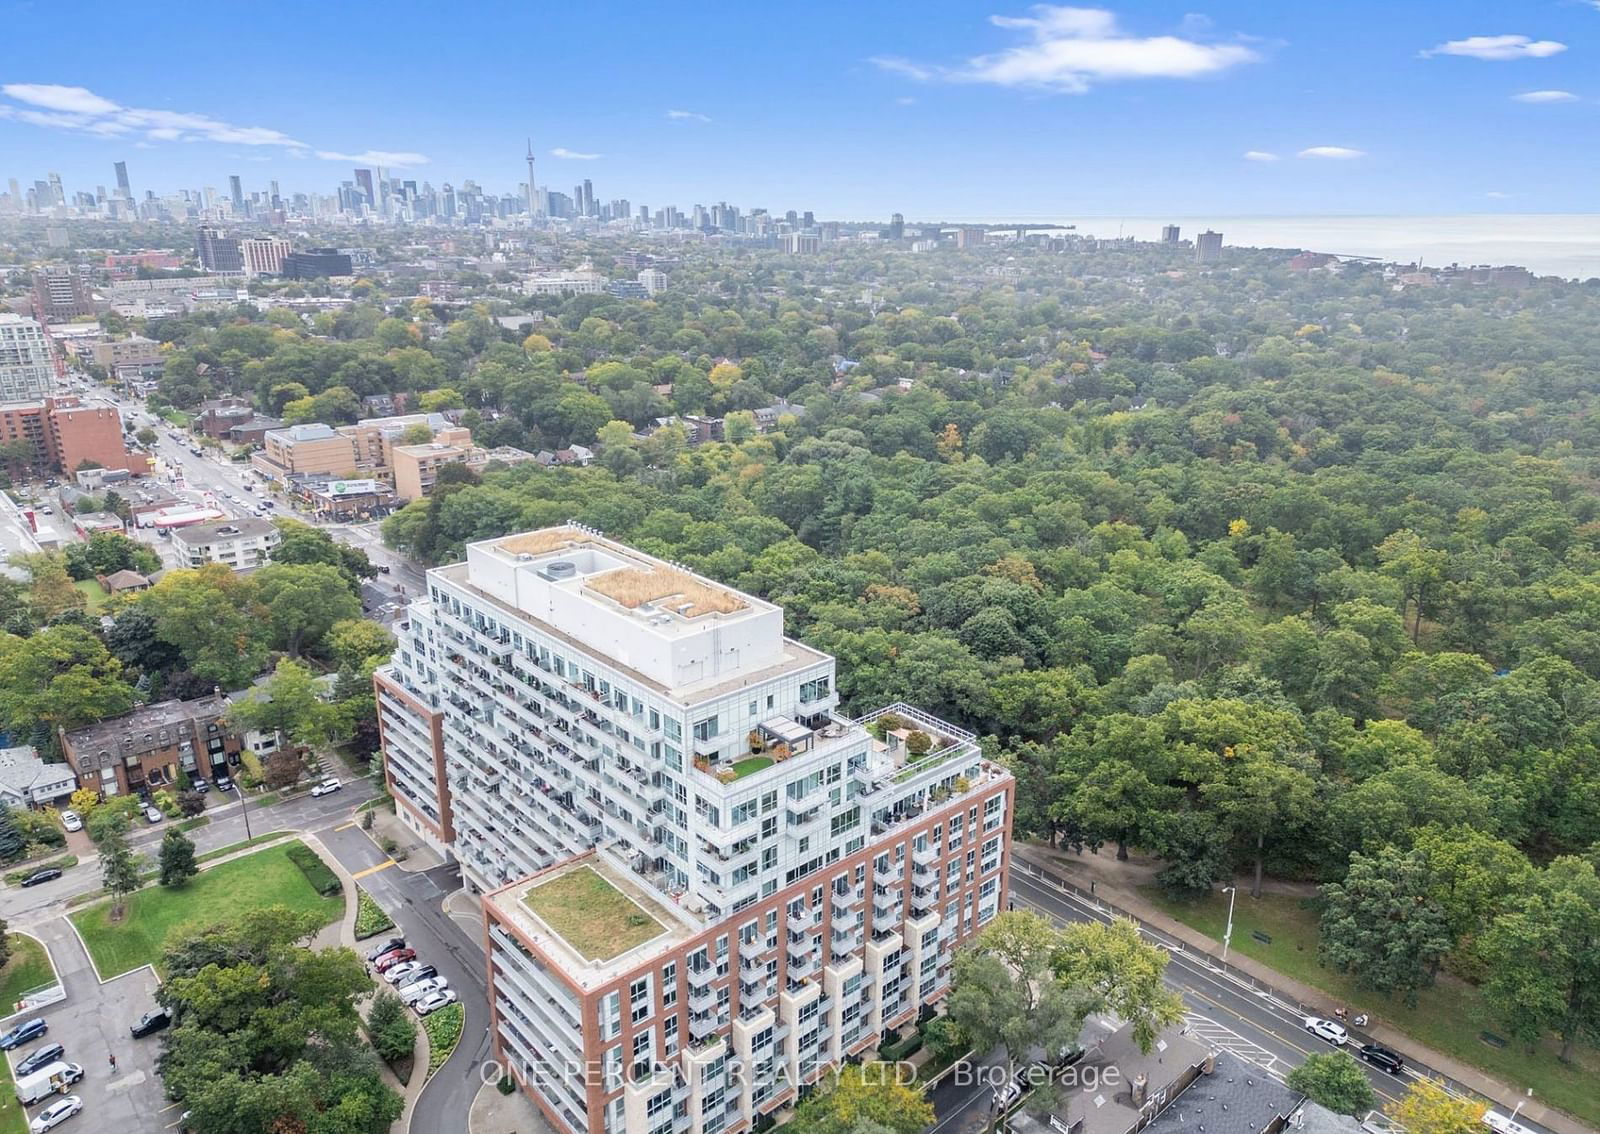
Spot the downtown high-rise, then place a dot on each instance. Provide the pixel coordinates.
(702, 886)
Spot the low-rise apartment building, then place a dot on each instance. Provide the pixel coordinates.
(243, 544)
(145, 748)
(703, 886)
(135, 351)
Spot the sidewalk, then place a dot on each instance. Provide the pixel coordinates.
(410, 852)
(1121, 899)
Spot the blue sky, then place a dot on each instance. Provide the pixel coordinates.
(937, 110)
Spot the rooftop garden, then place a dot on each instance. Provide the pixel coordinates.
(591, 915)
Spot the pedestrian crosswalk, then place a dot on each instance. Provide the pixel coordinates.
(1224, 1038)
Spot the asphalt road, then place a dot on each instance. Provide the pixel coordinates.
(415, 901)
(228, 825)
(1243, 1020)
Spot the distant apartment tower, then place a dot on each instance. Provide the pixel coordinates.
(217, 252)
(264, 255)
(124, 189)
(236, 193)
(800, 243)
(26, 366)
(364, 183)
(654, 280)
(1208, 246)
(316, 264)
(767, 885)
(61, 293)
(967, 237)
(1169, 234)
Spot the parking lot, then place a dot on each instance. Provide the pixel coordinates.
(92, 1024)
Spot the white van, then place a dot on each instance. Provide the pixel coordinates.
(46, 1081)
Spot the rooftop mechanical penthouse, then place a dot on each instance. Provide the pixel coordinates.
(702, 886)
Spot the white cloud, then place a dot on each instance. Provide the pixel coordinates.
(1335, 153)
(1496, 195)
(905, 100)
(376, 157)
(1545, 96)
(1070, 49)
(573, 155)
(76, 100)
(80, 110)
(1497, 48)
(1259, 155)
(687, 116)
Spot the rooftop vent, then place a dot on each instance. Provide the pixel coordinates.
(560, 569)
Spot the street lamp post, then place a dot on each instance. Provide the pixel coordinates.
(1227, 934)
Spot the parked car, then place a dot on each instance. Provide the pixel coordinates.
(434, 1001)
(402, 973)
(48, 874)
(379, 950)
(71, 820)
(1326, 1030)
(383, 568)
(23, 1032)
(152, 813)
(150, 1023)
(200, 784)
(224, 783)
(389, 960)
(1383, 1058)
(38, 1057)
(55, 1114)
(421, 989)
(327, 787)
(420, 973)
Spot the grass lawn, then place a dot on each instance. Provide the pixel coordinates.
(13, 1118)
(591, 915)
(94, 597)
(1448, 1017)
(265, 878)
(742, 768)
(28, 969)
(238, 846)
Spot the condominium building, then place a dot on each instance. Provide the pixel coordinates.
(61, 293)
(702, 886)
(64, 434)
(26, 370)
(264, 255)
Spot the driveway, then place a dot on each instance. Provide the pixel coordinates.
(416, 903)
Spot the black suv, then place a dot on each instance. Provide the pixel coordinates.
(1382, 1057)
(150, 1023)
(48, 874)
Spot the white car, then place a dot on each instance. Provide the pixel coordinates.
(71, 820)
(327, 787)
(401, 973)
(55, 1114)
(418, 990)
(1326, 1030)
(434, 1001)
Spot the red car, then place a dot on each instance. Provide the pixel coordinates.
(389, 960)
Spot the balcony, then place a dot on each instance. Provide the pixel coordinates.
(702, 1000)
(703, 1027)
(701, 978)
(754, 950)
(925, 858)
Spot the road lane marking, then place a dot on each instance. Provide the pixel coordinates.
(384, 865)
(346, 826)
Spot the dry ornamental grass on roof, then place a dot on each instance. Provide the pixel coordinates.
(633, 586)
(548, 539)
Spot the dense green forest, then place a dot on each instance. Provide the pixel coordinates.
(1252, 569)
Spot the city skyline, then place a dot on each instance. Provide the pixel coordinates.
(995, 111)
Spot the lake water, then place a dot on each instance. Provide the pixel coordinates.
(1547, 244)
